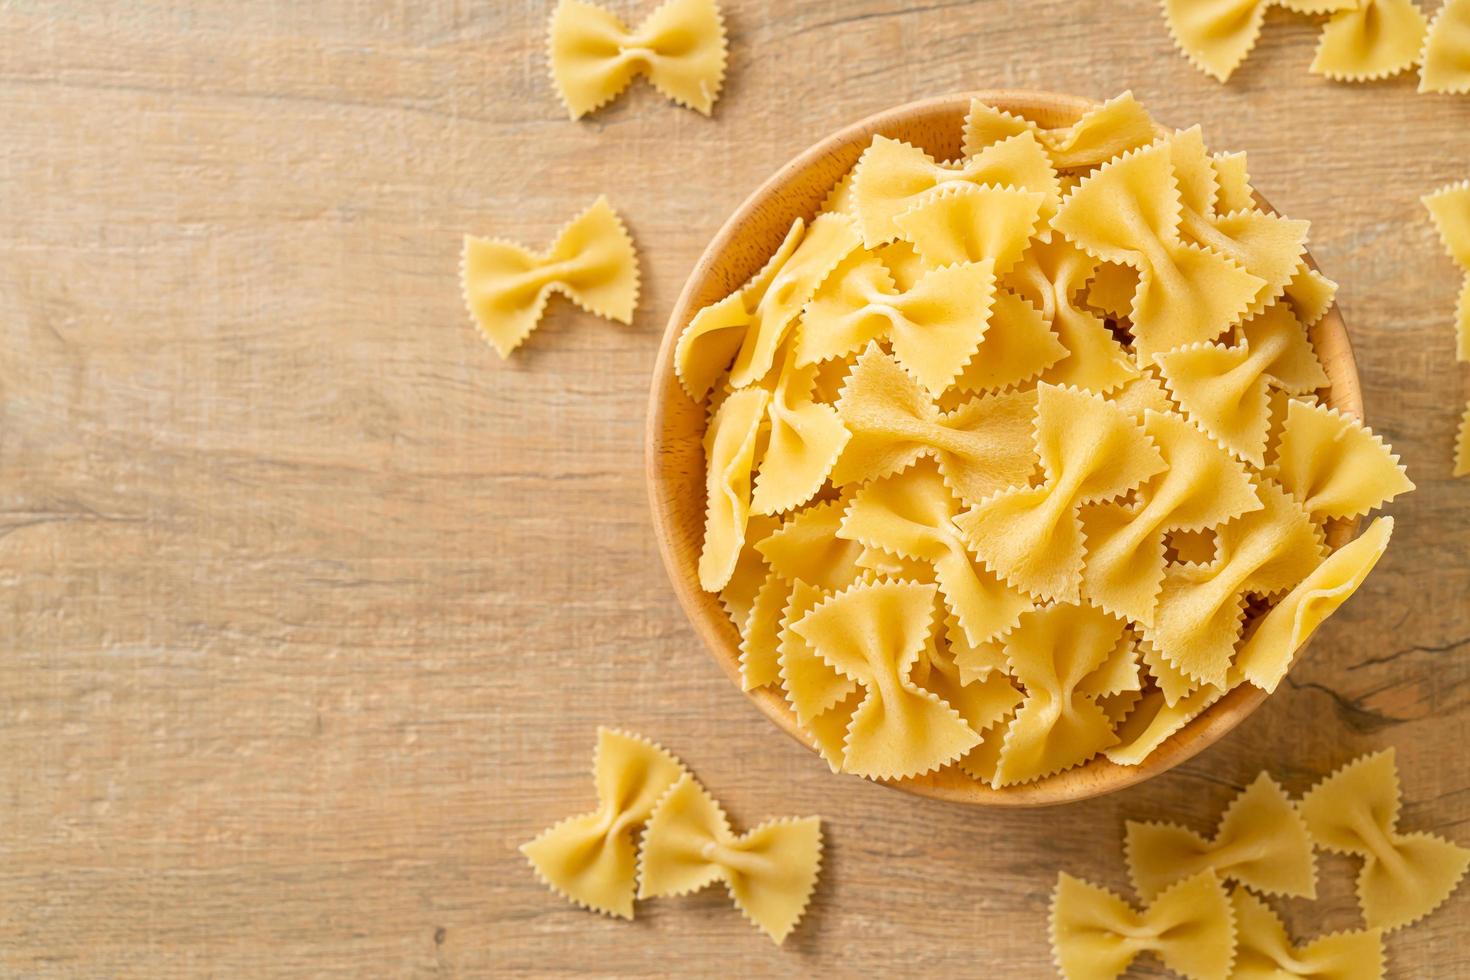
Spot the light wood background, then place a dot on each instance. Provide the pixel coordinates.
(311, 606)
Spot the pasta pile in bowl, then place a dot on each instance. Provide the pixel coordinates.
(1007, 447)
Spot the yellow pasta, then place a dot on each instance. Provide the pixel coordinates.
(981, 447)
(1190, 927)
(806, 437)
(1264, 952)
(875, 633)
(1225, 390)
(591, 262)
(590, 858)
(770, 871)
(1370, 40)
(729, 452)
(750, 324)
(1261, 841)
(1462, 446)
(680, 48)
(1444, 64)
(1200, 609)
(1090, 451)
(1017, 347)
(1129, 212)
(1202, 487)
(911, 515)
(1049, 278)
(962, 222)
(812, 686)
(1111, 129)
(1334, 465)
(934, 327)
(1450, 209)
(1265, 657)
(1404, 876)
(1053, 653)
(892, 177)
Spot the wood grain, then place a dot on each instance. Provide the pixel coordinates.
(313, 606)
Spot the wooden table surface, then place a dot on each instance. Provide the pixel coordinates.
(312, 606)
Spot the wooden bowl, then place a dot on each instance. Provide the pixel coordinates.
(675, 456)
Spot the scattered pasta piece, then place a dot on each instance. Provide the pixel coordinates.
(1265, 657)
(1404, 876)
(590, 858)
(770, 871)
(680, 47)
(1334, 465)
(1372, 39)
(1444, 64)
(591, 262)
(1264, 952)
(1261, 842)
(1023, 459)
(1450, 209)
(1190, 927)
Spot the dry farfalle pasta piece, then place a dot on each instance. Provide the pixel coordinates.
(1462, 446)
(1261, 842)
(1061, 655)
(1266, 655)
(933, 327)
(1201, 607)
(680, 47)
(805, 439)
(982, 446)
(750, 325)
(1404, 876)
(590, 858)
(1090, 451)
(770, 871)
(1203, 487)
(1450, 209)
(1190, 927)
(591, 262)
(1129, 212)
(1049, 278)
(875, 634)
(1225, 389)
(1109, 130)
(1334, 465)
(729, 452)
(1370, 40)
(1263, 951)
(1444, 64)
(962, 222)
(1018, 347)
(892, 177)
(910, 515)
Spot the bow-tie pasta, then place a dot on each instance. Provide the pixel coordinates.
(680, 48)
(591, 263)
(1025, 458)
(1444, 65)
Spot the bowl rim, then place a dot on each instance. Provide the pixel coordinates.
(1094, 778)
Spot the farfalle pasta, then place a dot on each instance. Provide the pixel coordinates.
(1444, 64)
(679, 47)
(1190, 927)
(591, 262)
(1261, 842)
(1404, 877)
(1025, 459)
(1263, 951)
(590, 858)
(770, 871)
(1369, 40)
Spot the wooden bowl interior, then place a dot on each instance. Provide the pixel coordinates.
(675, 457)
